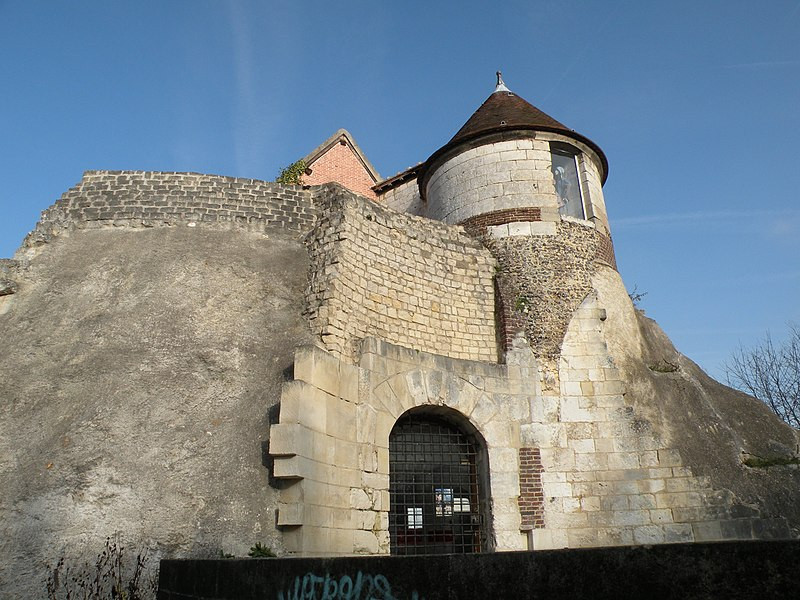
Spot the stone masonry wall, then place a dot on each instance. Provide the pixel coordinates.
(404, 279)
(152, 199)
(507, 171)
(404, 198)
(502, 175)
(609, 475)
(331, 445)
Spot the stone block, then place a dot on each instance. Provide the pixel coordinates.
(583, 538)
(669, 458)
(591, 462)
(590, 503)
(631, 517)
(582, 445)
(504, 485)
(604, 445)
(341, 419)
(638, 501)
(543, 436)
(771, 529)
(661, 515)
(375, 481)
(384, 423)
(503, 460)
(366, 422)
(680, 484)
(709, 531)
(303, 403)
(557, 489)
(678, 533)
(543, 228)
(648, 534)
(614, 503)
(322, 447)
(288, 439)
(346, 454)
(544, 409)
(610, 388)
(339, 541)
(290, 513)
(542, 539)
(317, 367)
(572, 412)
(360, 500)
(519, 228)
(737, 529)
(349, 376)
(287, 467)
(624, 487)
(507, 521)
(623, 460)
(558, 459)
(483, 411)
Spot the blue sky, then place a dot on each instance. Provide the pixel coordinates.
(696, 105)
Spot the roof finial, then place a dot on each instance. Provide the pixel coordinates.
(501, 86)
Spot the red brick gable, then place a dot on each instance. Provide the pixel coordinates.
(340, 160)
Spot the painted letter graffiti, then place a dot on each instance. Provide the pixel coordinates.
(360, 587)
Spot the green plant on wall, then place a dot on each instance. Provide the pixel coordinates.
(293, 174)
(259, 551)
(522, 304)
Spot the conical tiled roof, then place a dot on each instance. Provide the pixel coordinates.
(502, 111)
(506, 110)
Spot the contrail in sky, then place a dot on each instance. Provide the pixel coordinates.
(694, 216)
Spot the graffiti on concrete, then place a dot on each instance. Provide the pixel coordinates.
(327, 587)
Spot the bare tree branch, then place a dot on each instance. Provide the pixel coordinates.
(771, 373)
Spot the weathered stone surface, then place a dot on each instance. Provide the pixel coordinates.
(138, 370)
(706, 425)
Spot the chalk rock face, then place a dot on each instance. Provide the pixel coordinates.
(138, 370)
(714, 427)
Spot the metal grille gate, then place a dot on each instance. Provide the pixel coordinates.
(433, 489)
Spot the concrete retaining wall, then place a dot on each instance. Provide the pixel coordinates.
(680, 571)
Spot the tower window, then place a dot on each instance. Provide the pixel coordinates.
(567, 183)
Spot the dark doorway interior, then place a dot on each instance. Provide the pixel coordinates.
(435, 506)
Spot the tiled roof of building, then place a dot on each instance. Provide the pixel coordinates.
(506, 110)
(502, 111)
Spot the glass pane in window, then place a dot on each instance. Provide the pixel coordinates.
(414, 517)
(568, 189)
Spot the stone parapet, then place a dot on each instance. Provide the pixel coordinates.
(153, 199)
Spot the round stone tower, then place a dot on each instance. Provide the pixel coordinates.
(510, 157)
(531, 189)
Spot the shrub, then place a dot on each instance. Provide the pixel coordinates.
(114, 575)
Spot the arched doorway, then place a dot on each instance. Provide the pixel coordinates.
(436, 487)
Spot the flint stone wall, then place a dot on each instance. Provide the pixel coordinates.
(542, 279)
